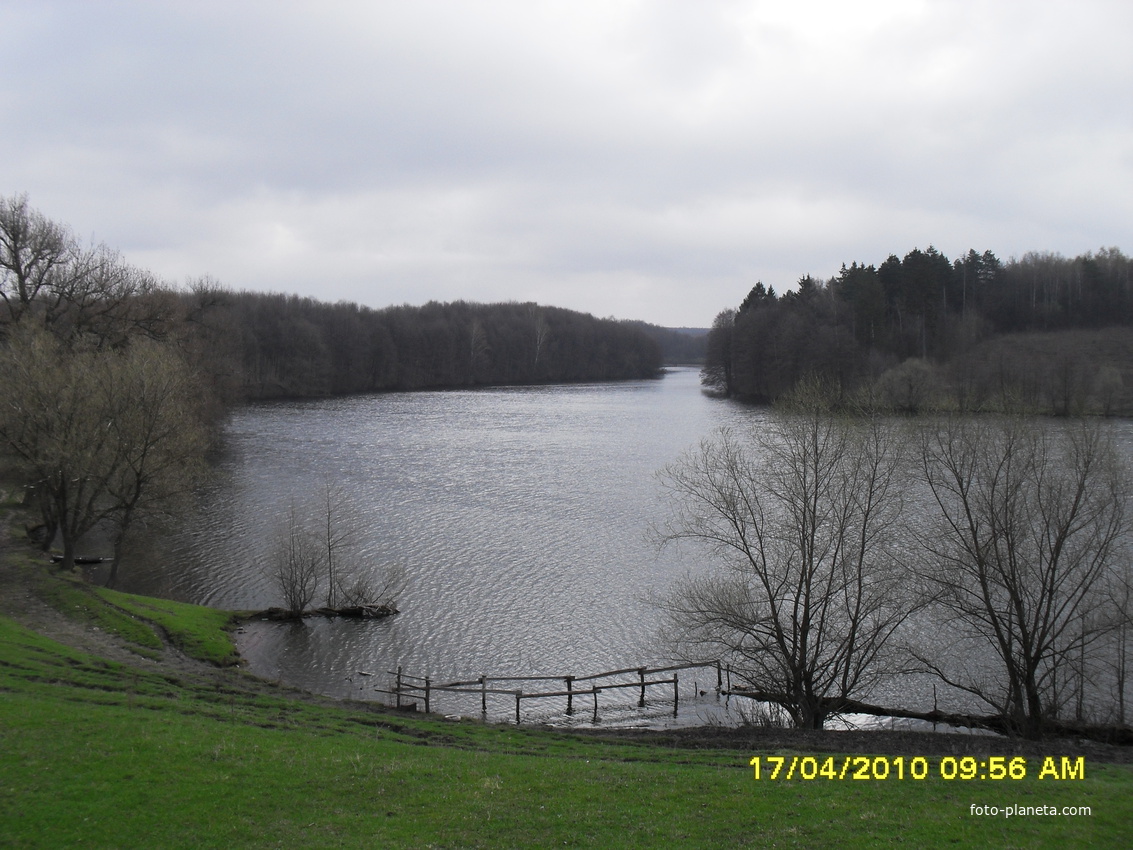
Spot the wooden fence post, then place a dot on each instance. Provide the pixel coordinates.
(403, 685)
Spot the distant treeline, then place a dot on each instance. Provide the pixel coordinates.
(679, 346)
(114, 384)
(923, 330)
(267, 345)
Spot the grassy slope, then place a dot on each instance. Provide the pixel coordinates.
(103, 754)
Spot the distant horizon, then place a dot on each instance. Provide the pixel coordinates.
(692, 328)
(645, 160)
(315, 298)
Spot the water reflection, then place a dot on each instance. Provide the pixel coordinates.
(521, 516)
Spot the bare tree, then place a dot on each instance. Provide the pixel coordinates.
(1023, 561)
(96, 435)
(350, 584)
(541, 331)
(802, 515)
(33, 253)
(1119, 651)
(154, 414)
(336, 535)
(76, 291)
(318, 549)
(380, 588)
(297, 564)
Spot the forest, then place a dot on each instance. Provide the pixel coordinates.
(1042, 332)
(271, 345)
(114, 383)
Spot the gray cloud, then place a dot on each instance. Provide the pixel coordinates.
(645, 160)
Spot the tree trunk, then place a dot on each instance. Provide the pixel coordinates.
(68, 562)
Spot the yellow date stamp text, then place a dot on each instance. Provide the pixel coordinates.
(875, 768)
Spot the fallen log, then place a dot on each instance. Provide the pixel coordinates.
(367, 611)
(81, 559)
(1120, 735)
(357, 612)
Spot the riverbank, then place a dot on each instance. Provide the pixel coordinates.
(154, 635)
(109, 740)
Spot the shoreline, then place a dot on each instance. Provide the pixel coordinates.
(22, 603)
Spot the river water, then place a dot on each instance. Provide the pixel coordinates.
(520, 516)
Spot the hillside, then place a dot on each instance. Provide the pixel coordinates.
(116, 730)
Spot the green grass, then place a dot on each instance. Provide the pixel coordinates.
(100, 754)
(197, 631)
(141, 621)
(79, 602)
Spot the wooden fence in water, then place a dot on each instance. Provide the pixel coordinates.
(407, 687)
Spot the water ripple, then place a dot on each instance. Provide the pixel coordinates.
(520, 516)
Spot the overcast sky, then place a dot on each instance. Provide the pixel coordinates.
(647, 160)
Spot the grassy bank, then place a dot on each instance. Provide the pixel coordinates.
(105, 752)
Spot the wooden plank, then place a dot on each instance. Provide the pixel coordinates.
(651, 670)
(576, 692)
(406, 689)
(607, 674)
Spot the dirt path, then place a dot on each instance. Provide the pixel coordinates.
(19, 601)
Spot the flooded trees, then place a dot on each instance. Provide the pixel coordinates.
(297, 565)
(1021, 538)
(801, 515)
(1020, 563)
(315, 555)
(337, 535)
(1023, 560)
